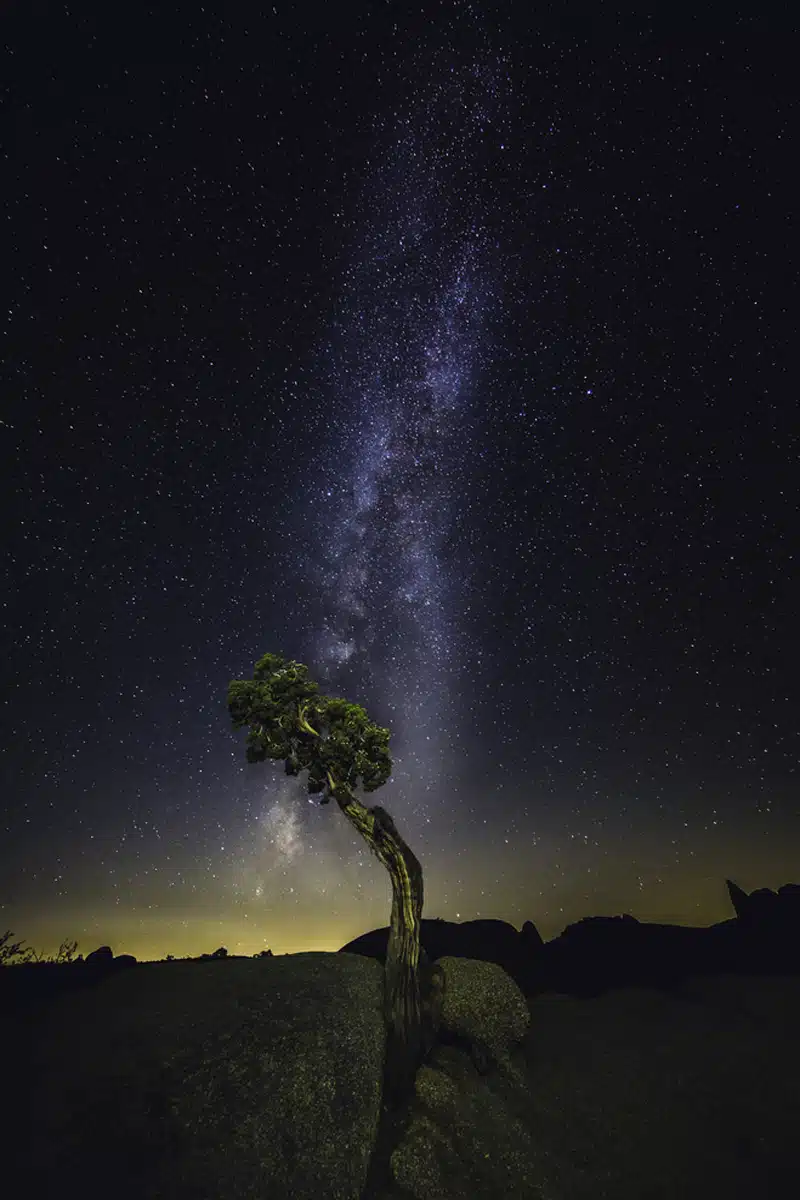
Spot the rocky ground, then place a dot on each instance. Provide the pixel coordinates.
(636, 1094)
(655, 1096)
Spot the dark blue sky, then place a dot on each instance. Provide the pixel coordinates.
(446, 350)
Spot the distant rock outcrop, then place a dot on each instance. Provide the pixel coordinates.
(530, 937)
(103, 956)
(738, 897)
(768, 928)
(599, 953)
(219, 955)
(765, 909)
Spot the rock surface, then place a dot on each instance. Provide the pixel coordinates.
(242, 1079)
(249, 1078)
(468, 1132)
(485, 1009)
(641, 1094)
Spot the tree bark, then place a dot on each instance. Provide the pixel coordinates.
(402, 1008)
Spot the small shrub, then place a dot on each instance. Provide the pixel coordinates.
(18, 954)
(10, 950)
(66, 952)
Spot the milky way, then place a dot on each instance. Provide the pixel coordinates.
(411, 338)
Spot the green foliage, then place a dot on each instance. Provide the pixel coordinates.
(290, 720)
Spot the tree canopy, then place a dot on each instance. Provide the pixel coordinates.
(289, 719)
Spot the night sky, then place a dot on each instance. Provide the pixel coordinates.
(448, 351)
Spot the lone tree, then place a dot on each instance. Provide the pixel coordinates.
(340, 748)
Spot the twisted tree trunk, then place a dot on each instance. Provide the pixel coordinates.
(402, 1008)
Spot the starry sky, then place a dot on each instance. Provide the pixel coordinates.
(446, 349)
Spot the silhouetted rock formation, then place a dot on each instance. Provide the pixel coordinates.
(101, 957)
(738, 897)
(598, 953)
(603, 952)
(530, 937)
(765, 908)
(768, 927)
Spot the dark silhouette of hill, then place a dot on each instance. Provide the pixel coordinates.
(599, 953)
